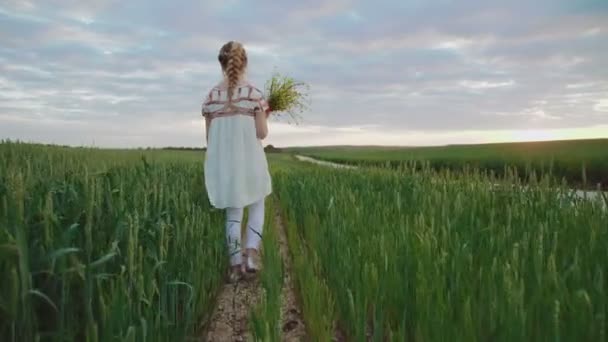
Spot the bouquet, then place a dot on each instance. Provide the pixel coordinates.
(287, 96)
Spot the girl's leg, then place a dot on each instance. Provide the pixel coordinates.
(233, 234)
(255, 225)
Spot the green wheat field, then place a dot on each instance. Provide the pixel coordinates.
(479, 243)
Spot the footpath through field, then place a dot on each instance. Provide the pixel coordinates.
(324, 163)
(230, 320)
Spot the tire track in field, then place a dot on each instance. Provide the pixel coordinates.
(292, 324)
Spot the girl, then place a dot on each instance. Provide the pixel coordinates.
(236, 170)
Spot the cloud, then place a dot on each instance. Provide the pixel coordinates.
(486, 84)
(601, 106)
(436, 68)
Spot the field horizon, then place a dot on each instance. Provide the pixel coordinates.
(300, 147)
(368, 146)
(582, 163)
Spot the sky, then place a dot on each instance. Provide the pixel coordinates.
(422, 72)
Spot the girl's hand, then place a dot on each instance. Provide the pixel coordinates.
(261, 125)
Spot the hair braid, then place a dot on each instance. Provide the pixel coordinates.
(233, 59)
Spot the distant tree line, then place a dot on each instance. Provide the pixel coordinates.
(268, 148)
(182, 148)
(272, 149)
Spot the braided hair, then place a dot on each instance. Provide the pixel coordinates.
(233, 59)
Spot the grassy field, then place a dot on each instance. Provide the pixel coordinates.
(105, 245)
(100, 245)
(413, 255)
(564, 159)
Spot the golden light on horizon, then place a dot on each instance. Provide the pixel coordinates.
(549, 134)
(284, 134)
(535, 135)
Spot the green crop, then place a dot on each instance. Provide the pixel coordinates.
(100, 245)
(411, 254)
(105, 245)
(266, 315)
(583, 163)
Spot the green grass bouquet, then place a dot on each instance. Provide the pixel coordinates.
(287, 96)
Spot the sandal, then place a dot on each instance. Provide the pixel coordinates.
(251, 264)
(235, 274)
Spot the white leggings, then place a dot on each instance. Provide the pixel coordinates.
(253, 236)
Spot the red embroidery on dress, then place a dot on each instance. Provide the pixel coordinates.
(232, 108)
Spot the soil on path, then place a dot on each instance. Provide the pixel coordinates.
(230, 319)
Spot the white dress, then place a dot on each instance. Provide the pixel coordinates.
(236, 169)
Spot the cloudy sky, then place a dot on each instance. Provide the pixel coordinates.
(420, 72)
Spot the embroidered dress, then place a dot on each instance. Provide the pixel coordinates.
(236, 169)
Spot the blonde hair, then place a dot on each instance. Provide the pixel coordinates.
(233, 59)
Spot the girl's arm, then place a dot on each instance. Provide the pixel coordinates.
(205, 113)
(207, 124)
(261, 124)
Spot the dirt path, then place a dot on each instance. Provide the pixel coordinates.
(291, 312)
(230, 320)
(325, 163)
